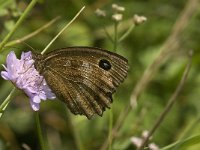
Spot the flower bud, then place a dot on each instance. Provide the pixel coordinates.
(117, 8)
(100, 13)
(117, 17)
(139, 19)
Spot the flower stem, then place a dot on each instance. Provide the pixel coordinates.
(33, 33)
(115, 36)
(115, 42)
(7, 101)
(39, 131)
(19, 21)
(107, 34)
(65, 27)
(126, 33)
(110, 128)
(76, 136)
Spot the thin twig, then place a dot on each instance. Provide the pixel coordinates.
(108, 35)
(5, 103)
(127, 32)
(65, 27)
(169, 105)
(170, 45)
(115, 36)
(115, 42)
(33, 33)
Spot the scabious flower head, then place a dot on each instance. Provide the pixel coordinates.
(22, 73)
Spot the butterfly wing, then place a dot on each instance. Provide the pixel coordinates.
(84, 78)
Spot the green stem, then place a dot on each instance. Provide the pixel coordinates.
(76, 136)
(115, 36)
(115, 42)
(39, 131)
(65, 27)
(7, 101)
(191, 128)
(33, 33)
(108, 35)
(127, 33)
(110, 128)
(19, 21)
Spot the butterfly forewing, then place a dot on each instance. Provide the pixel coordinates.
(83, 77)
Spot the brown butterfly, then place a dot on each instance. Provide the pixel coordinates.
(83, 77)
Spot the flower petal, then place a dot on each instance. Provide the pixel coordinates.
(36, 99)
(5, 75)
(35, 106)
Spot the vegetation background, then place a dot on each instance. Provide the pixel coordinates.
(164, 30)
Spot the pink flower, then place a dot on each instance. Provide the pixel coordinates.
(24, 76)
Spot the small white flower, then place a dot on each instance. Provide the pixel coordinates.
(117, 17)
(153, 146)
(139, 19)
(136, 141)
(100, 13)
(118, 8)
(145, 133)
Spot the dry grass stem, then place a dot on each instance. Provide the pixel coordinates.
(169, 105)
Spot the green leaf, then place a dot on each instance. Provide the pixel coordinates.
(187, 143)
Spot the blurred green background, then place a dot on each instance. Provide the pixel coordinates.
(63, 130)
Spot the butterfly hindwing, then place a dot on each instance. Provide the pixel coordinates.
(84, 78)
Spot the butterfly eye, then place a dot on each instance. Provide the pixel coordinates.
(105, 64)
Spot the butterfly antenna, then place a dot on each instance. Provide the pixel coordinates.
(28, 46)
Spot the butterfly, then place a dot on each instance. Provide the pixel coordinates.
(84, 78)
